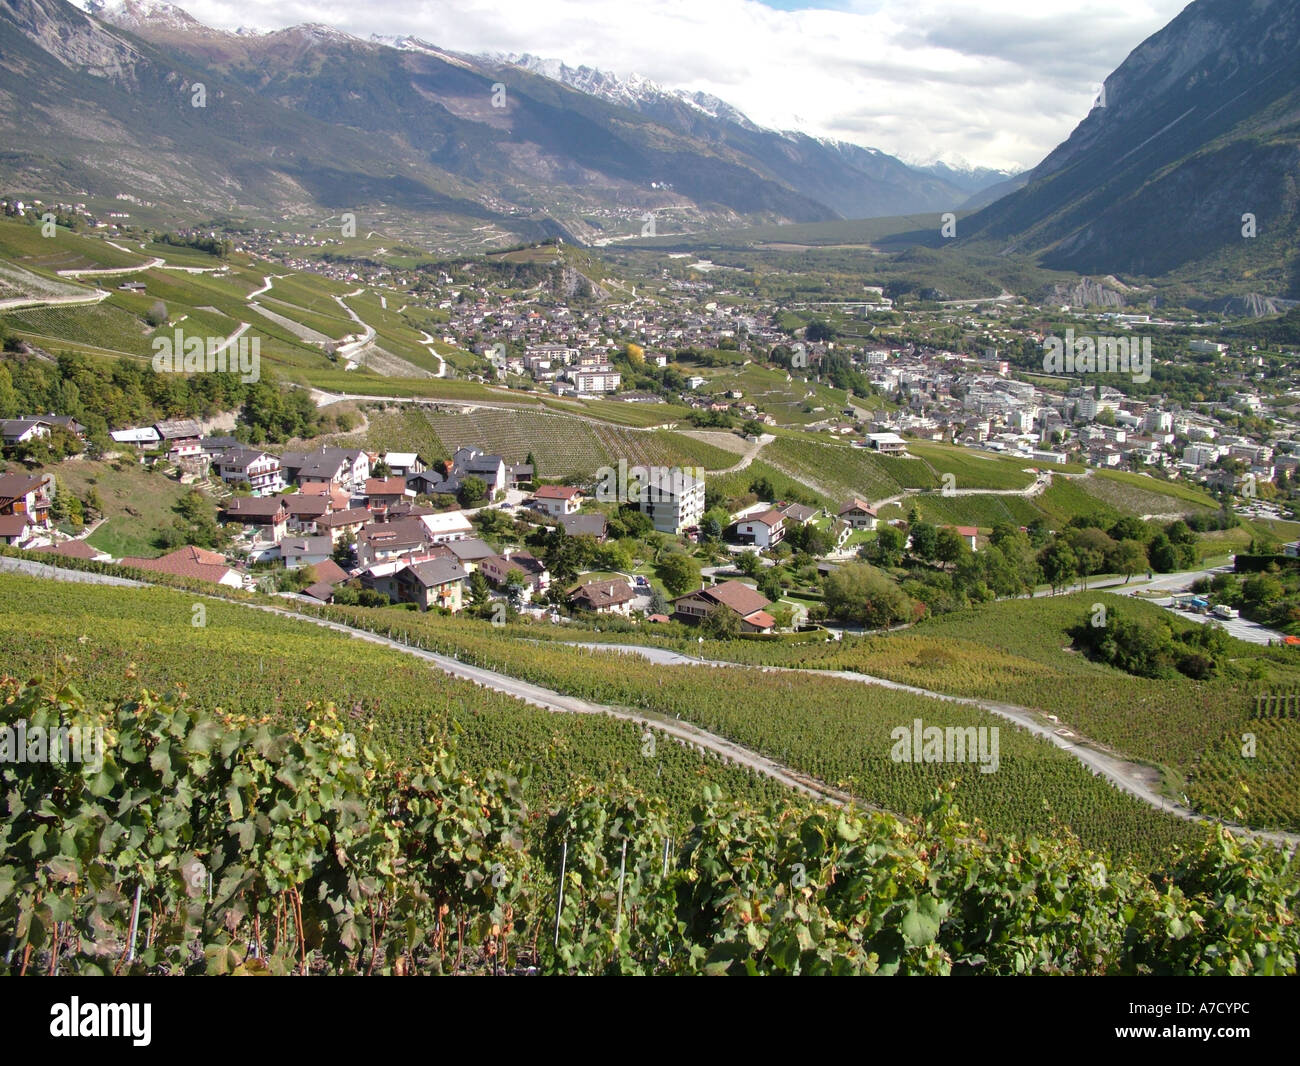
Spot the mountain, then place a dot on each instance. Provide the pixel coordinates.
(308, 121)
(1197, 134)
(969, 179)
(855, 182)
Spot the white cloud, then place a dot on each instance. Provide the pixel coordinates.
(993, 82)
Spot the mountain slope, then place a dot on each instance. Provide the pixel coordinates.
(1200, 126)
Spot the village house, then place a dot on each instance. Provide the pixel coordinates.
(140, 439)
(858, 514)
(383, 493)
(29, 495)
(590, 525)
(346, 467)
(556, 500)
(443, 527)
(305, 511)
(402, 464)
(470, 551)
(496, 568)
(613, 596)
(345, 523)
(259, 470)
(305, 551)
(182, 437)
(329, 575)
(266, 516)
(190, 561)
(384, 541)
(75, 549)
(747, 603)
(763, 530)
(17, 431)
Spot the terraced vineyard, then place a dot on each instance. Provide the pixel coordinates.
(834, 729)
(250, 662)
(1137, 494)
(94, 325)
(563, 446)
(841, 472)
(973, 469)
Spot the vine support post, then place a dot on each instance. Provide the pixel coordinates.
(559, 899)
(618, 914)
(135, 921)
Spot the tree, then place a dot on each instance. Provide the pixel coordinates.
(635, 354)
(480, 592)
(342, 553)
(473, 491)
(860, 593)
(1129, 557)
(924, 541)
(748, 563)
(658, 602)
(752, 428)
(721, 623)
(531, 461)
(679, 573)
(157, 314)
(381, 469)
(515, 585)
(887, 548)
(1059, 564)
(949, 546)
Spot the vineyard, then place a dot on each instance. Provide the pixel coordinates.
(97, 325)
(972, 469)
(841, 473)
(836, 730)
(1136, 494)
(563, 446)
(214, 843)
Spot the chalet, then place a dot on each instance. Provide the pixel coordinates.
(340, 524)
(858, 514)
(17, 431)
(763, 530)
(346, 467)
(431, 483)
(383, 493)
(471, 462)
(747, 603)
(385, 541)
(305, 511)
(329, 575)
(613, 596)
(27, 495)
(182, 437)
(267, 516)
(190, 561)
(556, 500)
(519, 474)
(305, 551)
(433, 583)
(497, 567)
(65, 422)
(590, 525)
(259, 470)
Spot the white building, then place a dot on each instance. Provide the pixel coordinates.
(674, 503)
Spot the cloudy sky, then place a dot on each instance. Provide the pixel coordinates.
(989, 82)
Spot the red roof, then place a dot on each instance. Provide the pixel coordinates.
(760, 620)
(556, 492)
(189, 561)
(74, 549)
(768, 518)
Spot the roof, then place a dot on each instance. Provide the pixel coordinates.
(14, 485)
(607, 593)
(579, 524)
(73, 549)
(857, 505)
(768, 518)
(557, 492)
(328, 571)
(307, 545)
(189, 561)
(353, 516)
(146, 435)
(446, 522)
(401, 458)
(322, 591)
(734, 594)
(798, 512)
(13, 525)
(760, 620)
(242, 458)
(304, 506)
(470, 548)
(386, 486)
(964, 531)
(385, 536)
(254, 507)
(178, 428)
(16, 427)
(436, 572)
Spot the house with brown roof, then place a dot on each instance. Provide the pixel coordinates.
(859, 514)
(189, 561)
(970, 534)
(75, 549)
(797, 512)
(304, 511)
(182, 437)
(27, 495)
(612, 596)
(536, 577)
(585, 525)
(257, 469)
(329, 575)
(15, 529)
(267, 516)
(382, 542)
(556, 500)
(382, 493)
(339, 524)
(746, 602)
(763, 530)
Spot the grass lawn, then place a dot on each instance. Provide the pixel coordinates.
(136, 504)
